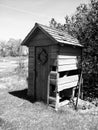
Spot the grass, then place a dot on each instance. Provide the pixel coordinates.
(17, 112)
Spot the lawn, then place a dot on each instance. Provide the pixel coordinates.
(17, 112)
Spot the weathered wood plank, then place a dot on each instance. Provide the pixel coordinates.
(64, 80)
(68, 79)
(31, 64)
(66, 57)
(31, 73)
(31, 69)
(40, 35)
(31, 51)
(42, 72)
(53, 55)
(57, 94)
(53, 62)
(67, 86)
(31, 59)
(65, 102)
(31, 89)
(53, 48)
(67, 67)
(69, 50)
(31, 56)
(52, 98)
(41, 42)
(66, 61)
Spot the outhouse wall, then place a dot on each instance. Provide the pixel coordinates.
(31, 71)
(67, 62)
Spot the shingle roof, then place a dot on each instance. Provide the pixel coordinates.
(54, 34)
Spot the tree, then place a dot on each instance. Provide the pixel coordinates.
(13, 47)
(2, 48)
(10, 48)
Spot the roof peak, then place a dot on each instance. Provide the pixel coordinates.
(58, 36)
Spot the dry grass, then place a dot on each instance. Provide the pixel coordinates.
(18, 113)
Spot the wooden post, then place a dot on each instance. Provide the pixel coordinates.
(48, 89)
(79, 89)
(57, 93)
(82, 77)
(82, 89)
(57, 101)
(73, 93)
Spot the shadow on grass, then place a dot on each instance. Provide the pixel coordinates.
(22, 94)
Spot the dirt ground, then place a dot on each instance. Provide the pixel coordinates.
(17, 112)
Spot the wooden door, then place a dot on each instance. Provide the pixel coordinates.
(42, 71)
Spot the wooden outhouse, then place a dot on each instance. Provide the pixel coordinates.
(52, 67)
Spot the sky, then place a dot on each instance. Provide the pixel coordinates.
(17, 17)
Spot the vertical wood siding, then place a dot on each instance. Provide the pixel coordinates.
(31, 72)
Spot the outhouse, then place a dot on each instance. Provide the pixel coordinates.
(52, 66)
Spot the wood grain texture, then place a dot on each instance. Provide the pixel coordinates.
(68, 79)
(42, 42)
(67, 67)
(69, 50)
(39, 35)
(67, 61)
(40, 39)
(31, 73)
(42, 72)
(53, 50)
(67, 86)
(66, 57)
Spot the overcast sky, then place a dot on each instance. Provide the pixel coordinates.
(17, 17)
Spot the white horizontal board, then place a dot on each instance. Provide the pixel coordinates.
(52, 98)
(63, 103)
(67, 79)
(67, 86)
(67, 61)
(66, 57)
(67, 67)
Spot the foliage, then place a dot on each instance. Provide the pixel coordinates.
(2, 48)
(11, 48)
(84, 26)
(56, 25)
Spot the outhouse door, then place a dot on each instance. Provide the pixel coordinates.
(41, 73)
